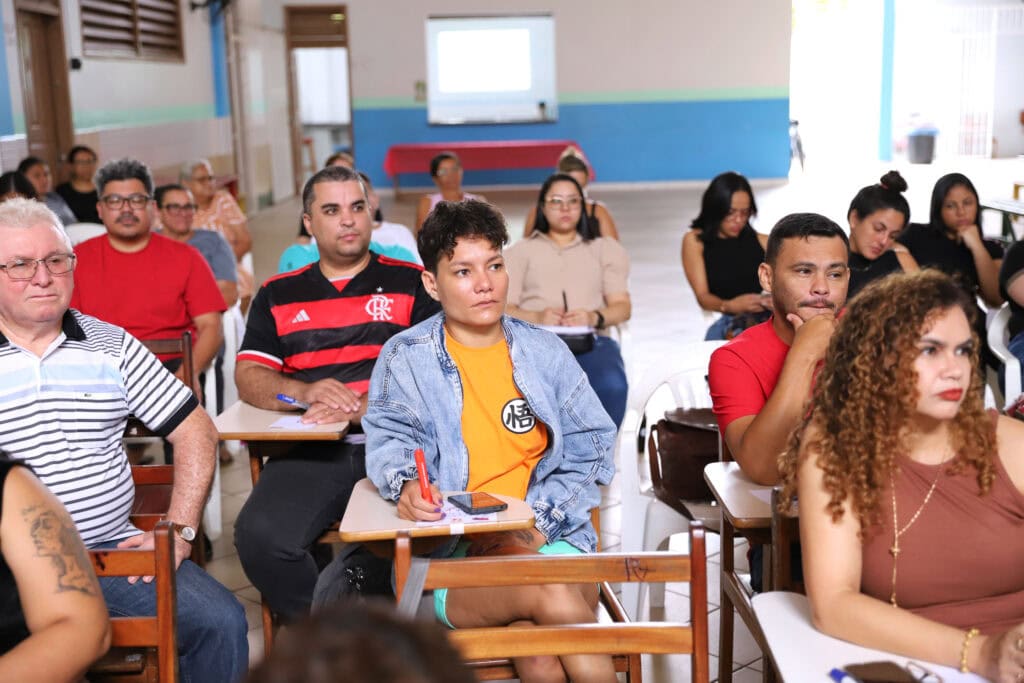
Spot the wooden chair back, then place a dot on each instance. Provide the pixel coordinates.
(157, 631)
(153, 487)
(178, 345)
(487, 650)
(785, 537)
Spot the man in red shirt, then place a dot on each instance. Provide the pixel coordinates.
(150, 285)
(761, 380)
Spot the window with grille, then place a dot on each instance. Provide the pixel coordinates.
(132, 28)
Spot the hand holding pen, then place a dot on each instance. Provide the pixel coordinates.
(420, 500)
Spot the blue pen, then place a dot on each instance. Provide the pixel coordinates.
(840, 676)
(285, 398)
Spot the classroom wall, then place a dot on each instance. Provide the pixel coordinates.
(653, 90)
(163, 112)
(1007, 127)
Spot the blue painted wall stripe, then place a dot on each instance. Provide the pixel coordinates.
(632, 142)
(218, 52)
(885, 108)
(6, 110)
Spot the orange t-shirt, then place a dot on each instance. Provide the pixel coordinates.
(502, 436)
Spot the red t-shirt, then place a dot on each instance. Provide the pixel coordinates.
(743, 373)
(155, 293)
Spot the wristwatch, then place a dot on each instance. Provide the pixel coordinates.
(600, 320)
(187, 533)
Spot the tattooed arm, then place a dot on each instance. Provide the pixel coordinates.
(60, 596)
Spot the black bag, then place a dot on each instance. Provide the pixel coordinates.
(679, 448)
(579, 343)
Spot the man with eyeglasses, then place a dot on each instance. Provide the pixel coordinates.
(177, 210)
(148, 284)
(68, 382)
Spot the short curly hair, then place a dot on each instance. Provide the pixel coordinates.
(449, 222)
(865, 397)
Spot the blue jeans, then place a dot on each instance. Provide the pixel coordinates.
(607, 374)
(212, 643)
(718, 328)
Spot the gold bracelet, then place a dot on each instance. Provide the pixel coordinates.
(963, 650)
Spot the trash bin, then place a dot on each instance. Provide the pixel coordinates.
(921, 145)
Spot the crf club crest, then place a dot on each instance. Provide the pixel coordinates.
(516, 416)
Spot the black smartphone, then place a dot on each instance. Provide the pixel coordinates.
(477, 503)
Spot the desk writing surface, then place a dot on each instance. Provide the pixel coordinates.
(746, 505)
(804, 654)
(369, 517)
(245, 422)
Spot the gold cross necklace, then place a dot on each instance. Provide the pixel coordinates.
(897, 532)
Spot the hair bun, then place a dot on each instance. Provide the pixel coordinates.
(893, 181)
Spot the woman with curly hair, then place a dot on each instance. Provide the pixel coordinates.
(911, 496)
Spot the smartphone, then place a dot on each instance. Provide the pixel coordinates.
(477, 503)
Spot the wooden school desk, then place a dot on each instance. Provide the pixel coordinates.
(245, 422)
(746, 509)
(369, 518)
(803, 654)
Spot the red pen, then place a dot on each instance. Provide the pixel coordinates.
(421, 470)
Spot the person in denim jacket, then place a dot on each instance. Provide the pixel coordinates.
(497, 405)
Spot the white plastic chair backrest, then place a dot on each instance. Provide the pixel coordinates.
(684, 373)
(998, 336)
(80, 232)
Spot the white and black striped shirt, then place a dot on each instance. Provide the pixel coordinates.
(64, 414)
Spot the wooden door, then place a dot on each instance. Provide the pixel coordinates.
(44, 83)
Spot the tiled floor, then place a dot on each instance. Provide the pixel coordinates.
(665, 315)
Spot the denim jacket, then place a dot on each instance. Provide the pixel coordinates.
(415, 401)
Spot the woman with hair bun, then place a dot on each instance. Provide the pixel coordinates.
(911, 495)
(572, 163)
(877, 214)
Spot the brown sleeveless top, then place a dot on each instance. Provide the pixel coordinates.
(962, 561)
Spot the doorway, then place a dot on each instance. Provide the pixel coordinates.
(319, 96)
(44, 81)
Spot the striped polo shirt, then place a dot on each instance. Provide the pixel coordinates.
(301, 325)
(65, 413)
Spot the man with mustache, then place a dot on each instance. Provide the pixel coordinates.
(761, 380)
(150, 285)
(313, 335)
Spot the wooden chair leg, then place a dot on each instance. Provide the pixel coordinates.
(726, 615)
(268, 627)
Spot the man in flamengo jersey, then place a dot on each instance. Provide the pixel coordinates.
(313, 335)
(500, 406)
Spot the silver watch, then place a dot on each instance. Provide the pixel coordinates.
(187, 533)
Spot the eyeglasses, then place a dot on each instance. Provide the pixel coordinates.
(921, 674)
(25, 269)
(116, 201)
(563, 202)
(178, 208)
(204, 179)
(442, 172)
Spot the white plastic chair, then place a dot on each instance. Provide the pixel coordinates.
(646, 521)
(80, 232)
(998, 337)
(233, 327)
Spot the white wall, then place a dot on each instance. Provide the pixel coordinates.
(1007, 128)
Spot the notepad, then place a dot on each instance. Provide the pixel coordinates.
(456, 516)
(291, 423)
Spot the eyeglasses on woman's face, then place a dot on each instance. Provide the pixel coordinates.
(559, 203)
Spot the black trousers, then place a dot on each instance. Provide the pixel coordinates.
(297, 496)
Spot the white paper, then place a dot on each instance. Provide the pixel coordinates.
(291, 423)
(458, 518)
(567, 329)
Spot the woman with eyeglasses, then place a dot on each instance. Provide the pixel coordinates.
(876, 215)
(911, 495)
(566, 275)
(446, 172)
(721, 254)
(572, 163)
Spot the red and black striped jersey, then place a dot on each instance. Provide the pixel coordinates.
(301, 325)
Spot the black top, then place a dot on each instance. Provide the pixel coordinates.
(12, 619)
(1013, 267)
(83, 204)
(731, 264)
(932, 248)
(863, 271)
